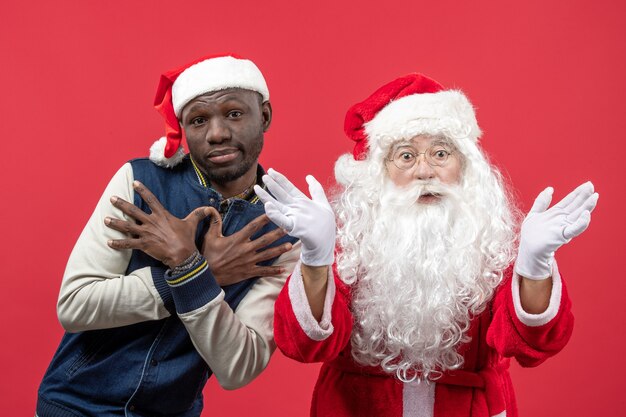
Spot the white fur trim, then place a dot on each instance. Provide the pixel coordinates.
(502, 414)
(447, 112)
(346, 168)
(418, 399)
(535, 320)
(157, 156)
(216, 74)
(302, 310)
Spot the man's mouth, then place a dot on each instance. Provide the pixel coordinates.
(222, 156)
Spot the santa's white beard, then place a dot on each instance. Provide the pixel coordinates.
(420, 272)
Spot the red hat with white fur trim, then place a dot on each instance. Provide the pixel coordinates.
(178, 87)
(410, 106)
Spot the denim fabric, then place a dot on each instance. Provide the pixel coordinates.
(150, 368)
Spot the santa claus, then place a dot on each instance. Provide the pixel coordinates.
(421, 312)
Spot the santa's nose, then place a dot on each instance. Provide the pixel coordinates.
(423, 170)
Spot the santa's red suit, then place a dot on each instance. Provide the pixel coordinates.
(481, 388)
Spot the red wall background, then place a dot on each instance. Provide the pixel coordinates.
(78, 80)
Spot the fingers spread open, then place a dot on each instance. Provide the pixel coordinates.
(125, 244)
(316, 190)
(285, 183)
(123, 226)
(273, 252)
(129, 209)
(268, 271)
(268, 238)
(254, 226)
(279, 193)
(263, 195)
(148, 197)
(274, 213)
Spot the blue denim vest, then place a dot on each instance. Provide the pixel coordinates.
(150, 368)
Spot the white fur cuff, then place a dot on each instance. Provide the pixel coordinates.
(302, 310)
(535, 320)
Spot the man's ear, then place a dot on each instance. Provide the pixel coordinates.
(266, 114)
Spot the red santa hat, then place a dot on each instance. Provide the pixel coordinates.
(410, 106)
(179, 86)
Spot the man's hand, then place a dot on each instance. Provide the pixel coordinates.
(310, 219)
(545, 230)
(234, 258)
(164, 237)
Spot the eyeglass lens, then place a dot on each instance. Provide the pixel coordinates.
(405, 157)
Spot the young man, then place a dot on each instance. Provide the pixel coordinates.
(421, 312)
(154, 299)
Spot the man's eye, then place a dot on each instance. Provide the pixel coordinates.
(406, 156)
(196, 121)
(235, 114)
(440, 154)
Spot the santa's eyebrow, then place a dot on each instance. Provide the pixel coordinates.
(404, 145)
(442, 142)
(436, 142)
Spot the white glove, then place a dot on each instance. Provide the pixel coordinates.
(544, 231)
(310, 220)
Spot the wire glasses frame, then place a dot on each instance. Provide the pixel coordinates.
(405, 157)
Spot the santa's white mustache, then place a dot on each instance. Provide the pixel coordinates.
(411, 193)
(432, 188)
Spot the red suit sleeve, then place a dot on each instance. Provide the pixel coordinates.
(309, 341)
(531, 339)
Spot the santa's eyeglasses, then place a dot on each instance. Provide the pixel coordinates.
(404, 157)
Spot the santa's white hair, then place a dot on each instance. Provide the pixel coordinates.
(420, 272)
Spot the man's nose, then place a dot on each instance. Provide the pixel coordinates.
(423, 170)
(218, 131)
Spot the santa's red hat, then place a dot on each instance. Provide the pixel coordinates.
(179, 86)
(409, 106)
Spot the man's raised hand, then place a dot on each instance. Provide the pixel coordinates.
(160, 234)
(234, 258)
(172, 240)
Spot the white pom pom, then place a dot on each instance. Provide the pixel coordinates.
(348, 170)
(157, 151)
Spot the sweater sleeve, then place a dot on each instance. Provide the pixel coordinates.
(236, 345)
(95, 292)
(530, 338)
(298, 335)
